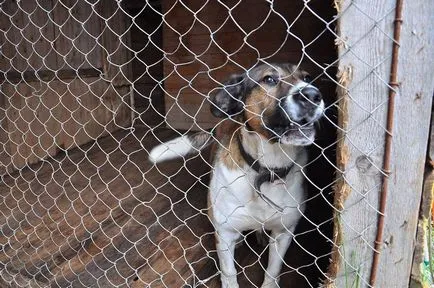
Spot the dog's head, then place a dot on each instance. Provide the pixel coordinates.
(277, 101)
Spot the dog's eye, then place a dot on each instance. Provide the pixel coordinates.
(307, 78)
(270, 80)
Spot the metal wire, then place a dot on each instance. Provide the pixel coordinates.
(88, 88)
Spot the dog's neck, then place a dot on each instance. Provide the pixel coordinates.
(271, 155)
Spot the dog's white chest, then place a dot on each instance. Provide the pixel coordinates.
(236, 203)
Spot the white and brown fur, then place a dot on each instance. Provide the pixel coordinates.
(272, 109)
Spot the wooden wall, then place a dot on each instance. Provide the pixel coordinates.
(223, 37)
(42, 119)
(365, 61)
(63, 77)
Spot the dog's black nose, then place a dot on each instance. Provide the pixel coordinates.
(309, 94)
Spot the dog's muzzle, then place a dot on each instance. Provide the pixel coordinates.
(300, 110)
(305, 106)
(308, 96)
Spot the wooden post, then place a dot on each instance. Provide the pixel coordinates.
(365, 49)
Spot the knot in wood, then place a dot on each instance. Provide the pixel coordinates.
(363, 163)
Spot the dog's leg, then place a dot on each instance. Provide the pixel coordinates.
(279, 243)
(262, 237)
(225, 244)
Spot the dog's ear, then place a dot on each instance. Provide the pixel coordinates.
(228, 100)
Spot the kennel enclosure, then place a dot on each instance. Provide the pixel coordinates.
(87, 88)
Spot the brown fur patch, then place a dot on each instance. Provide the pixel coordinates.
(259, 103)
(226, 150)
(209, 208)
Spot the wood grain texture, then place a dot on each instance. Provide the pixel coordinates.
(431, 137)
(4, 147)
(42, 119)
(411, 133)
(49, 35)
(26, 37)
(101, 215)
(417, 279)
(368, 51)
(367, 92)
(77, 30)
(95, 210)
(115, 38)
(53, 94)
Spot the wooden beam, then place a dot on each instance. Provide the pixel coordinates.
(431, 140)
(412, 121)
(423, 237)
(365, 51)
(48, 75)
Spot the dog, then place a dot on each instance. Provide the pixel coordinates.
(257, 181)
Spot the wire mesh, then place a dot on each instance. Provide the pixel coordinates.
(89, 87)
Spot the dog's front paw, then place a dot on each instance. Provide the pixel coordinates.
(261, 238)
(270, 282)
(229, 282)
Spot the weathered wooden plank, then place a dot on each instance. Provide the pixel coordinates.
(18, 281)
(411, 132)
(26, 37)
(115, 38)
(77, 29)
(179, 255)
(422, 239)
(363, 156)
(366, 53)
(189, 116)
(11, 22)
(431, 145)
(46, 41)
(92, 109)
(24, 127)
(61, 36)
(39, 35)
(61, 115)
(5, 158)
(48, 75)
(105, 217)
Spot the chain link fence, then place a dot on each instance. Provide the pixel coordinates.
(89, 87)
